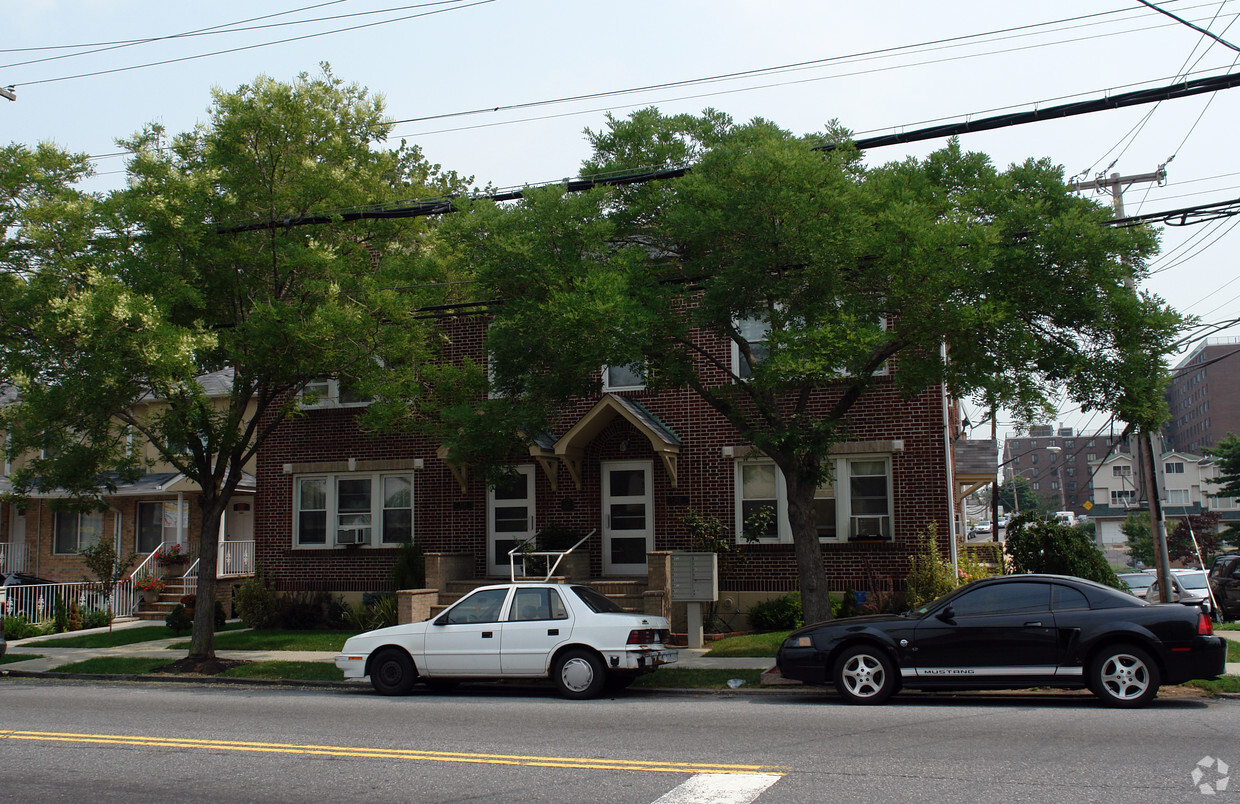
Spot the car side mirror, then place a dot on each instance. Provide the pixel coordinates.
(947, 615)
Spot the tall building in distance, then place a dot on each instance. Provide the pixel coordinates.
(1204, 396)
(1055, 461)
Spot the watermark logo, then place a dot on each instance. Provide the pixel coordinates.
(1211, 776)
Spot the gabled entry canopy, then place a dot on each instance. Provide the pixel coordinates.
(571, 447)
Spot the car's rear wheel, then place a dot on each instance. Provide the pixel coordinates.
(579, 674)
(392, 672)
(1124, 675)
(864, 675)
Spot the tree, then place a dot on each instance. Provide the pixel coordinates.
(1193, 533)
(111, 302)
(1020, 488)
(1140, 541)
(108, 570)
(1036, 545)
(822, 272)
(1227, 455)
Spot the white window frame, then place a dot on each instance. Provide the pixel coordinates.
(331, 540)
(1179, 497)
(637, 368)
(843, 503)
(328, 397)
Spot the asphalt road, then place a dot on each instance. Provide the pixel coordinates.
(113, 741)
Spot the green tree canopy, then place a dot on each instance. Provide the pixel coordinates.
(1035, 545)
(109, 303)
(1000, 284)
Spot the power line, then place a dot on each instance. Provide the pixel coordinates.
(255, 46)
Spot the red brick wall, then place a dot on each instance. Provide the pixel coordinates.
(445, 520)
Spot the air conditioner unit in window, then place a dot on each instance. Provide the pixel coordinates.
(353, 536)
(869, 527)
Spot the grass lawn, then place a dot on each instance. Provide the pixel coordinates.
(113, 665)
(1233, 651)
(754, 645)
(276, 639)
(1227, 626)
(1224, 684)
(124, 636)
(9, 658)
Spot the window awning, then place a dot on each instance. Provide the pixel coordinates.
(570, 448)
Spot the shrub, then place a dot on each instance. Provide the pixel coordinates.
(929, 575)
(777, 613)
(257, 603)
(18, 628)
(383, 612)
(96, 619)
(1036, 546)
(178, 620)
(220, 618)
(409, 571)
(60, 615)
(302, 611)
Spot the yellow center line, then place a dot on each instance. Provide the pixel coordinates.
(585, 763)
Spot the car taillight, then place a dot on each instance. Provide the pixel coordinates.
(645, 636)
(1204, 626)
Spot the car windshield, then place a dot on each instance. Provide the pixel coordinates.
(1192, 580)
(597, 601)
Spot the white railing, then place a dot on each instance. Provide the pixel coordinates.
(236, 558)
(189, 581)
(37, 602)
(12, 558)
(149, 567)
(519, 553)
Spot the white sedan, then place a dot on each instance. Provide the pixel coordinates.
(573, 634)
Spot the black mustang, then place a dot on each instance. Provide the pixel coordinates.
(1012, 632)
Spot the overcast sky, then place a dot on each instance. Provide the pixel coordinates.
(877, 67)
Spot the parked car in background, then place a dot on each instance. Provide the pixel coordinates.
(1003, 522)
(1225, 583)
(1012, 631)
(1138, 582)
(1190, 587)
(983, 528)
(575, 635)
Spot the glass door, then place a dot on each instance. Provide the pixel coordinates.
(510, 518)
(628, 517)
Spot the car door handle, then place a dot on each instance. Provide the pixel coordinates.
(553, 632)
(486, 634)
(1034, 624)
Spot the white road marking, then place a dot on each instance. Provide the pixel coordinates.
(720, 788)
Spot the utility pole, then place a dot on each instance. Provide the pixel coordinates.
(1146, 456)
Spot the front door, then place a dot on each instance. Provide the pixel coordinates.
(628, 517)
(510, 518)
(15, 555)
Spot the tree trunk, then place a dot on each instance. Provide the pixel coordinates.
(815, 599)
(202, 641)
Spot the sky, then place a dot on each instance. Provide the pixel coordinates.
(89, 72)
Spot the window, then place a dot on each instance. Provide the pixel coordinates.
(75, 531)
(1121, 471)
(858, 505)
(157, 522)
(1033, 459)
(1176, 468)
(1064, 598)
(1035, 486)
(480, 607)
(1004, 598)
(331, 393)
(1123, 497)
(754, 332)
(348, 509)
(1178, 497)
(1015, 445)
(1091, 456)
(628, 377)
(537, 604)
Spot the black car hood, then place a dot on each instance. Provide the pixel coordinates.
(862, 621)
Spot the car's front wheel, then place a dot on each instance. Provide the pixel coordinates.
(579, 674)
(1124, 675)
(392, 672)
(864, 675)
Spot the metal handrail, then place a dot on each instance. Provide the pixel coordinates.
(551, 568)
(185, 579)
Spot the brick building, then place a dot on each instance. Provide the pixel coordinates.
(1204, 396)
(1056, 463)
(333, 502)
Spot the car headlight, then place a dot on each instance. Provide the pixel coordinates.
(799, 642)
